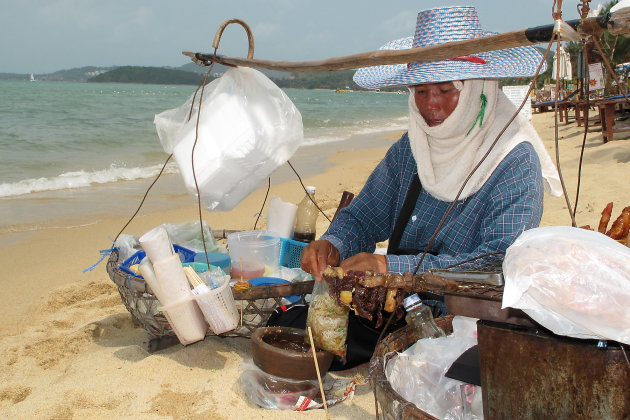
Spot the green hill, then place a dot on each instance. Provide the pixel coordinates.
(148, 75)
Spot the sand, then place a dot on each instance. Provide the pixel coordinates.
(68, 348)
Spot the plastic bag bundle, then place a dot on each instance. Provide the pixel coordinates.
(328, 321)
(247, 128)
(572, 281)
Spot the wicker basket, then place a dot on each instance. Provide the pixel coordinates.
(389, 404)
(254, 305)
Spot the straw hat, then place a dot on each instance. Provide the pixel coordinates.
(439, 26)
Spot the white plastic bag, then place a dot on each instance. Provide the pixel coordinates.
(247, 128)
(572, 281)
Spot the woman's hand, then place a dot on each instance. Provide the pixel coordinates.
(317, 255)
(365, 261)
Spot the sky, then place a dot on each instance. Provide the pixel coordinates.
(44, 36)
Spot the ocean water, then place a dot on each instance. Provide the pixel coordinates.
(61, 136)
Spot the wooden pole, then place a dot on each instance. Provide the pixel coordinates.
(519, 38)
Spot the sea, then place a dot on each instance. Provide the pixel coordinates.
(64, 140)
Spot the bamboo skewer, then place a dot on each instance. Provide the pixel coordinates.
(319, 376)
(618, 22)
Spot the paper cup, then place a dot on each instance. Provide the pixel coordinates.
(281, 217)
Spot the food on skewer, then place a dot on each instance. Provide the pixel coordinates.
(621, 226)
(368, 293)
(603, 222)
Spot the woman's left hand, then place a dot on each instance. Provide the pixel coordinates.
(365, 261)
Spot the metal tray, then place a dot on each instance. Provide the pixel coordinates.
(486, 269)
(495, 278)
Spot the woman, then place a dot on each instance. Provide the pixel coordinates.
(456, 111)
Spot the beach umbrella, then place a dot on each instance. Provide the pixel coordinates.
(562, 65)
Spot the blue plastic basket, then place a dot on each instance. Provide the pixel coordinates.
(291, 252)
(185, 255)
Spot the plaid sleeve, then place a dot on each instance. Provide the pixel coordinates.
(371, 215)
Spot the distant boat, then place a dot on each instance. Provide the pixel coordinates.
(32, 78)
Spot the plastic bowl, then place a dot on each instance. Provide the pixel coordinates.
(277, 351)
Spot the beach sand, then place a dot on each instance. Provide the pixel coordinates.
(68, 348)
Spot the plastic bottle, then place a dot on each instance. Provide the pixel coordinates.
(420, 318)
(306, 218)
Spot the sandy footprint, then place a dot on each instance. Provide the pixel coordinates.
(14, 394)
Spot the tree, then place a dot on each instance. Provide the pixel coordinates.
(615, 48)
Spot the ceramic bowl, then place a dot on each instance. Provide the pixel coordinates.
(280, 351)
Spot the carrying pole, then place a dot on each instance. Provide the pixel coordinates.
(617, 23)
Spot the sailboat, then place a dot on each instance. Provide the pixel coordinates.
(32, 78)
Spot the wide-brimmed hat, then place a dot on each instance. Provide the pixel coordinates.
(439, 26)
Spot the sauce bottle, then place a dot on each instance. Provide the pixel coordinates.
(420, 318)
(306, 217)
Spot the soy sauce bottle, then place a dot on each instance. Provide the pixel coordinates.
(306, 218)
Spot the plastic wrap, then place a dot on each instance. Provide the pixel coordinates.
(572, 281)
(247, 128)
(328, 321)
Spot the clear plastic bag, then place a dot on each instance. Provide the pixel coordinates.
(572, 281)
(328, 321)
(247, 128)
(417, 374)
(188, 235)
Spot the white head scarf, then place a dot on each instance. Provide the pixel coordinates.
(447, 153)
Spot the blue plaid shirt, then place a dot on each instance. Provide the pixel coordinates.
(510, 202)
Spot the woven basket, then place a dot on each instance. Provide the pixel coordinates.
(254, 306)
(389, 404)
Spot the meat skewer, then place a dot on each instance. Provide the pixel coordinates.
(621, 226)
(603, 222)
(368, 293)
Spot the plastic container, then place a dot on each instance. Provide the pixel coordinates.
(306, 218)
(218, 259)
(291, 252)
(186, 320)
(420, 318)
(253, 253)
(219, 309)
(185, 255)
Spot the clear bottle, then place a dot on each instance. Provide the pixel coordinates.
(306, 217)
(420, 318)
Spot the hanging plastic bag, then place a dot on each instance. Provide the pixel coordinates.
(572, 281)
(247, 128)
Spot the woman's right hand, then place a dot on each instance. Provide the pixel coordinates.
(317, 255)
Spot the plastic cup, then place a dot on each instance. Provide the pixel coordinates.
(186, 320)
(256, 251)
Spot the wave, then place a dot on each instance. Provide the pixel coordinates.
(80, 179)
(322, 135)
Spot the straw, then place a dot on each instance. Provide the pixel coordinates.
(319, 378)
